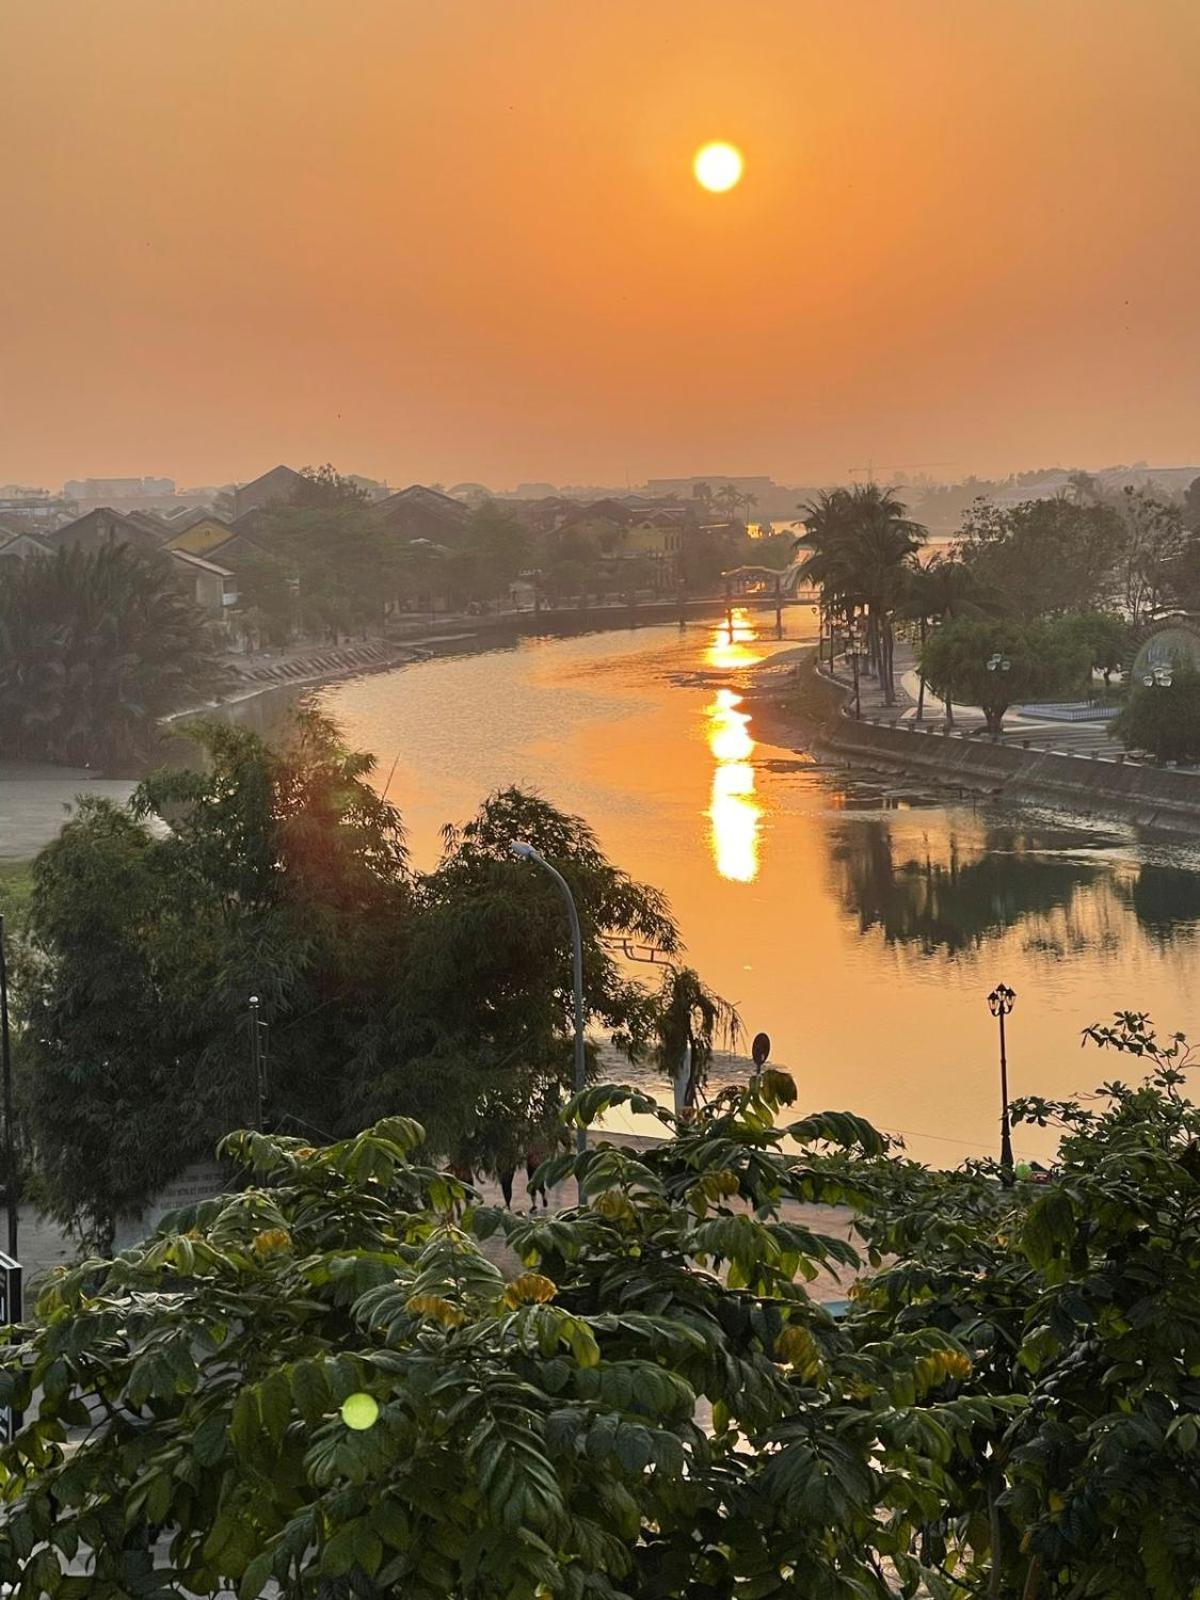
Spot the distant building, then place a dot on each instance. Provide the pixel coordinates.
(213, 587)
(33, 510)
(421, 513)
(119, 493)
(102, 527)
(202, 534)
(269, 489)
(149, 523)
(20, 546)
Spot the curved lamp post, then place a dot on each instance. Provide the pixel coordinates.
(526, 852)
(1000, 1003)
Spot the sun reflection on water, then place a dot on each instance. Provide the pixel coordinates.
(729, 645)
(733, 810)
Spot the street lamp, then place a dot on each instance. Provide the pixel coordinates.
(1159, 678)
(1000, 1003)
(526, 852)
(999, 663)
(258, 1063)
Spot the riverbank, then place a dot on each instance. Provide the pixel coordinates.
(811, 713)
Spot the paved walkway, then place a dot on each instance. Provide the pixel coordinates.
(1077, 738)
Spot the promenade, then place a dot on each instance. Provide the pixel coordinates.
(1064, 737)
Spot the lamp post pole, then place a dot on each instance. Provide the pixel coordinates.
(527, 853)
(10, 1175)
(258, 1064)
(1000, 1003)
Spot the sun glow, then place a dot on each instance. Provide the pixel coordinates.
(718, 167)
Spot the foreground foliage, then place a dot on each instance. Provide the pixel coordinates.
(638, 1397)
(538, 1432)
(443, 995)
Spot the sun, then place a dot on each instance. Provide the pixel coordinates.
(718, 166)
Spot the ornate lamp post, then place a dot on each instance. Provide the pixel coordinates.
(1000, 1003)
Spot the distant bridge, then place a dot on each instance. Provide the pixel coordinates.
(770, 585)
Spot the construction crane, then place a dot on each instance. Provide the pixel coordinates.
(897, 466)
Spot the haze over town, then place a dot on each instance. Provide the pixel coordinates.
(461, 241)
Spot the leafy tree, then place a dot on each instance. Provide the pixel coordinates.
(493, 553)
(323, 487)
(1044, 557)
(933, 592)
(1163, 718)
(277, 875)
(1078, 1296)
(284, 875)
(993, 664)
(1107, 637)
(537, 1429)
(95, 647)
(1154, 541)
(350, 567)
(268, 596)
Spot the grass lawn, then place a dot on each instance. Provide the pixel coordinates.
(16, 885)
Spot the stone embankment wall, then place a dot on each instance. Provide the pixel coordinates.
(1154, 796)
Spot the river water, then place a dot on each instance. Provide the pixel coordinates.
(860, 922)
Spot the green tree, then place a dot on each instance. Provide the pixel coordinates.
(933, 593)
(1079, 1296)
(323, 487)
(1108, 638)
(277, 877)
(1044, 557)
(994, 664)
(284, 875)
(1163, 718)
(95, 647)
(494, 552)
(268, 596)
(537, 1428)
(350, 567)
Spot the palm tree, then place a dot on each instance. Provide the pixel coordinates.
(861, 547)
(95, 646)
(935, 593)
(728, 498)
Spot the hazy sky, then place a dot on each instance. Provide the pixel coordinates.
(447, 239)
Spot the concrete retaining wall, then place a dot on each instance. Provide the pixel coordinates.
(1152, 796)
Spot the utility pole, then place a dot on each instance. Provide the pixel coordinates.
(10, 1158)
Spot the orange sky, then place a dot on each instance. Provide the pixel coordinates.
(449, 239)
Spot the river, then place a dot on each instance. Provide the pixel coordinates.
(861, 923)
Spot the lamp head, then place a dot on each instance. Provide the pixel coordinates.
(1000, 1001)
(520, 848)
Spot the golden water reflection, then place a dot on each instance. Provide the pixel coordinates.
(733, 811)
(730, 646)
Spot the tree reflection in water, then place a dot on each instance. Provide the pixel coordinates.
(1166, 901)
(973, 892)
